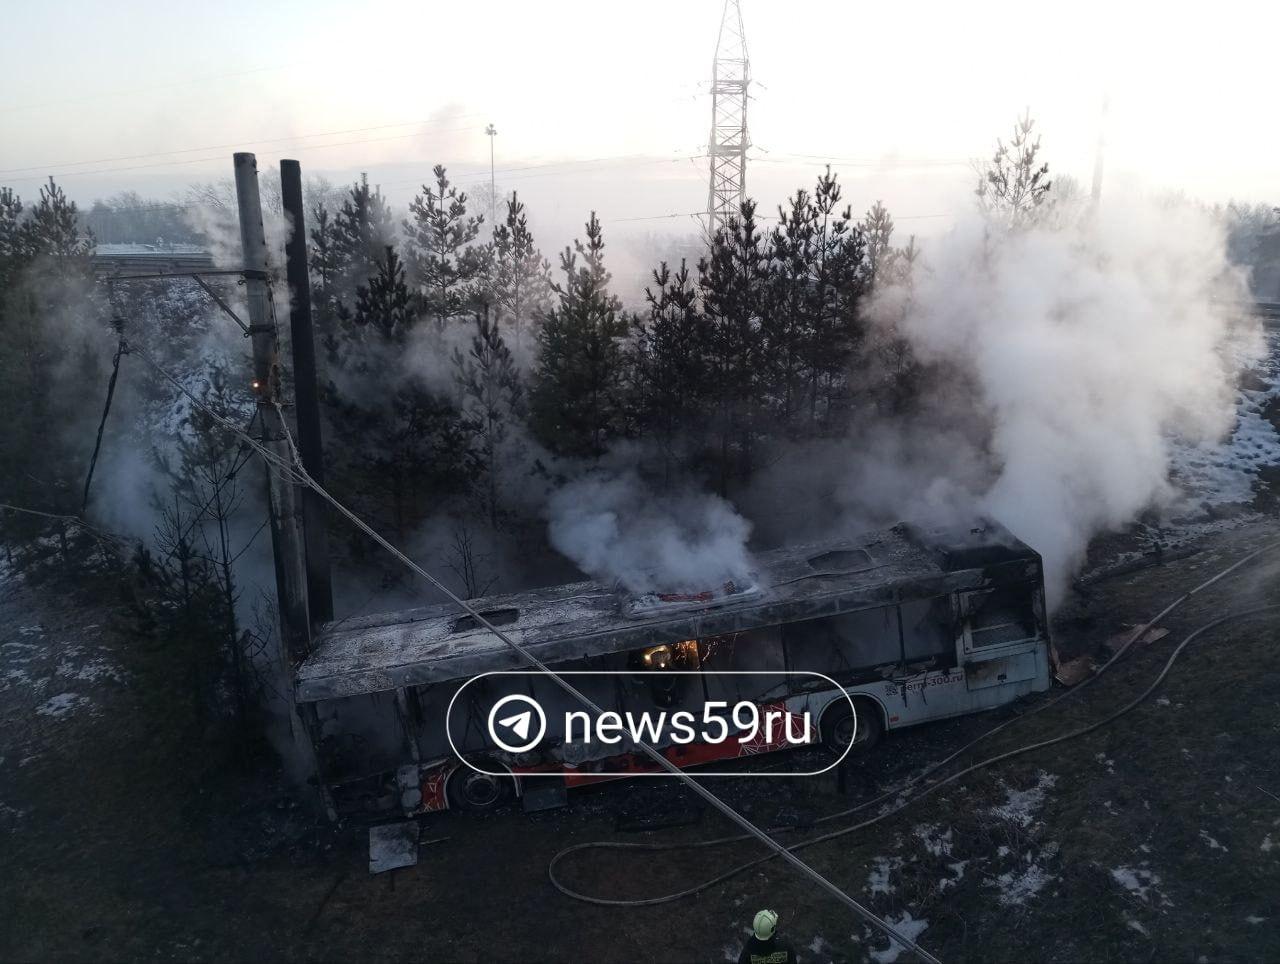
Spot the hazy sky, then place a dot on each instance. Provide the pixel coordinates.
(902, 95)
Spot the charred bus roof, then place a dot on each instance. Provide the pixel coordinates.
(433, 644)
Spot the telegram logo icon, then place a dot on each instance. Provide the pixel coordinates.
(517, 723)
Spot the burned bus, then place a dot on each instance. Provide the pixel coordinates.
(855, 637)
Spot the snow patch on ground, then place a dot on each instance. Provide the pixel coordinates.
(882, 869)
(1020, 806)
(62, 705)
(1211, 843)
(1134, 925)
(1019, 886)
(956, 868)
(1225, 472)
(40, 660)
(935, 843)
(909, 928)
(92, 670)
(1140, 882)
(16, 677)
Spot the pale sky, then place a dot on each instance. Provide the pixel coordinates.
(609, 98)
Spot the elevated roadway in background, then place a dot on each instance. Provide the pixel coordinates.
(123, 260)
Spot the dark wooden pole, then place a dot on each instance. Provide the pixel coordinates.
(306, 395)
(287, 536)
(286, 527)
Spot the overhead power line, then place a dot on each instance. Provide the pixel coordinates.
(293, 470)
(763, 217)
(138, 90)
(220, 157)
(892, 162)
(640, 160)
(241, 143)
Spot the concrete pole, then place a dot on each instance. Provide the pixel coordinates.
(493, 199)
(282, 501)
(306, 396)
(1095, 193)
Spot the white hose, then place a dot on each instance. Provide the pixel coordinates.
(902, 804)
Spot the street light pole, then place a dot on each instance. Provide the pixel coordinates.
(493, 197)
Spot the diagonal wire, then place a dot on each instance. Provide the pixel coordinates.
(295, 472)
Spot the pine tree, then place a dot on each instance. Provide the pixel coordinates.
(398, 449)
(733, 280)
(323, 260)
(355, 243)
(362, 229)
(786, 327)
(446, 268)
(16, 248)
(576, 405)
(182, 598)
(493, 398)
(877, 228)
(837, 282)
(54, 229)
(385, 302)
(49, 329)
(1014, 185)
(671, 368)
(397, 446)
(893, 369)
(520, 276)
(204, 536)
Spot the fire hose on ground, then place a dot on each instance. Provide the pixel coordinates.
(292, 470)
(904, 802)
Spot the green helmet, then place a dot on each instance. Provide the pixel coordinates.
(765, 923)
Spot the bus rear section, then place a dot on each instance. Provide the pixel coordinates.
(840, 641)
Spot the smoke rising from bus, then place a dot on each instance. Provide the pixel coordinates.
(1066, 363)
(1082, 350)
(617, 530)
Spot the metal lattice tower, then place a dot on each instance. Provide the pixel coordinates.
(730, 78)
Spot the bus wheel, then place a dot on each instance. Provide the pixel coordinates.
(478, 792)
(838, 727)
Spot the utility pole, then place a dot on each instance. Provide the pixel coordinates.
(282, 504)
(493, 192)
(1096, 193)
(306, 397)
(730, 79)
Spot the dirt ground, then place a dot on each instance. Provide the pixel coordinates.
(1155, 838)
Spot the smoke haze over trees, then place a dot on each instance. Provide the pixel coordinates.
(807, 372)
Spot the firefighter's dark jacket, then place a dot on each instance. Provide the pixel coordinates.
(772, 951)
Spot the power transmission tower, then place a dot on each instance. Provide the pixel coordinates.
(730, 78)
(1096, 193)
(493, 196)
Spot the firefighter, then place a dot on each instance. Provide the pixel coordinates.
(763, 947)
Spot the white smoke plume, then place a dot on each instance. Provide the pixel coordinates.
(1085, 347)
(616, 530)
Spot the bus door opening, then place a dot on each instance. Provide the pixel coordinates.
(1000, 635)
